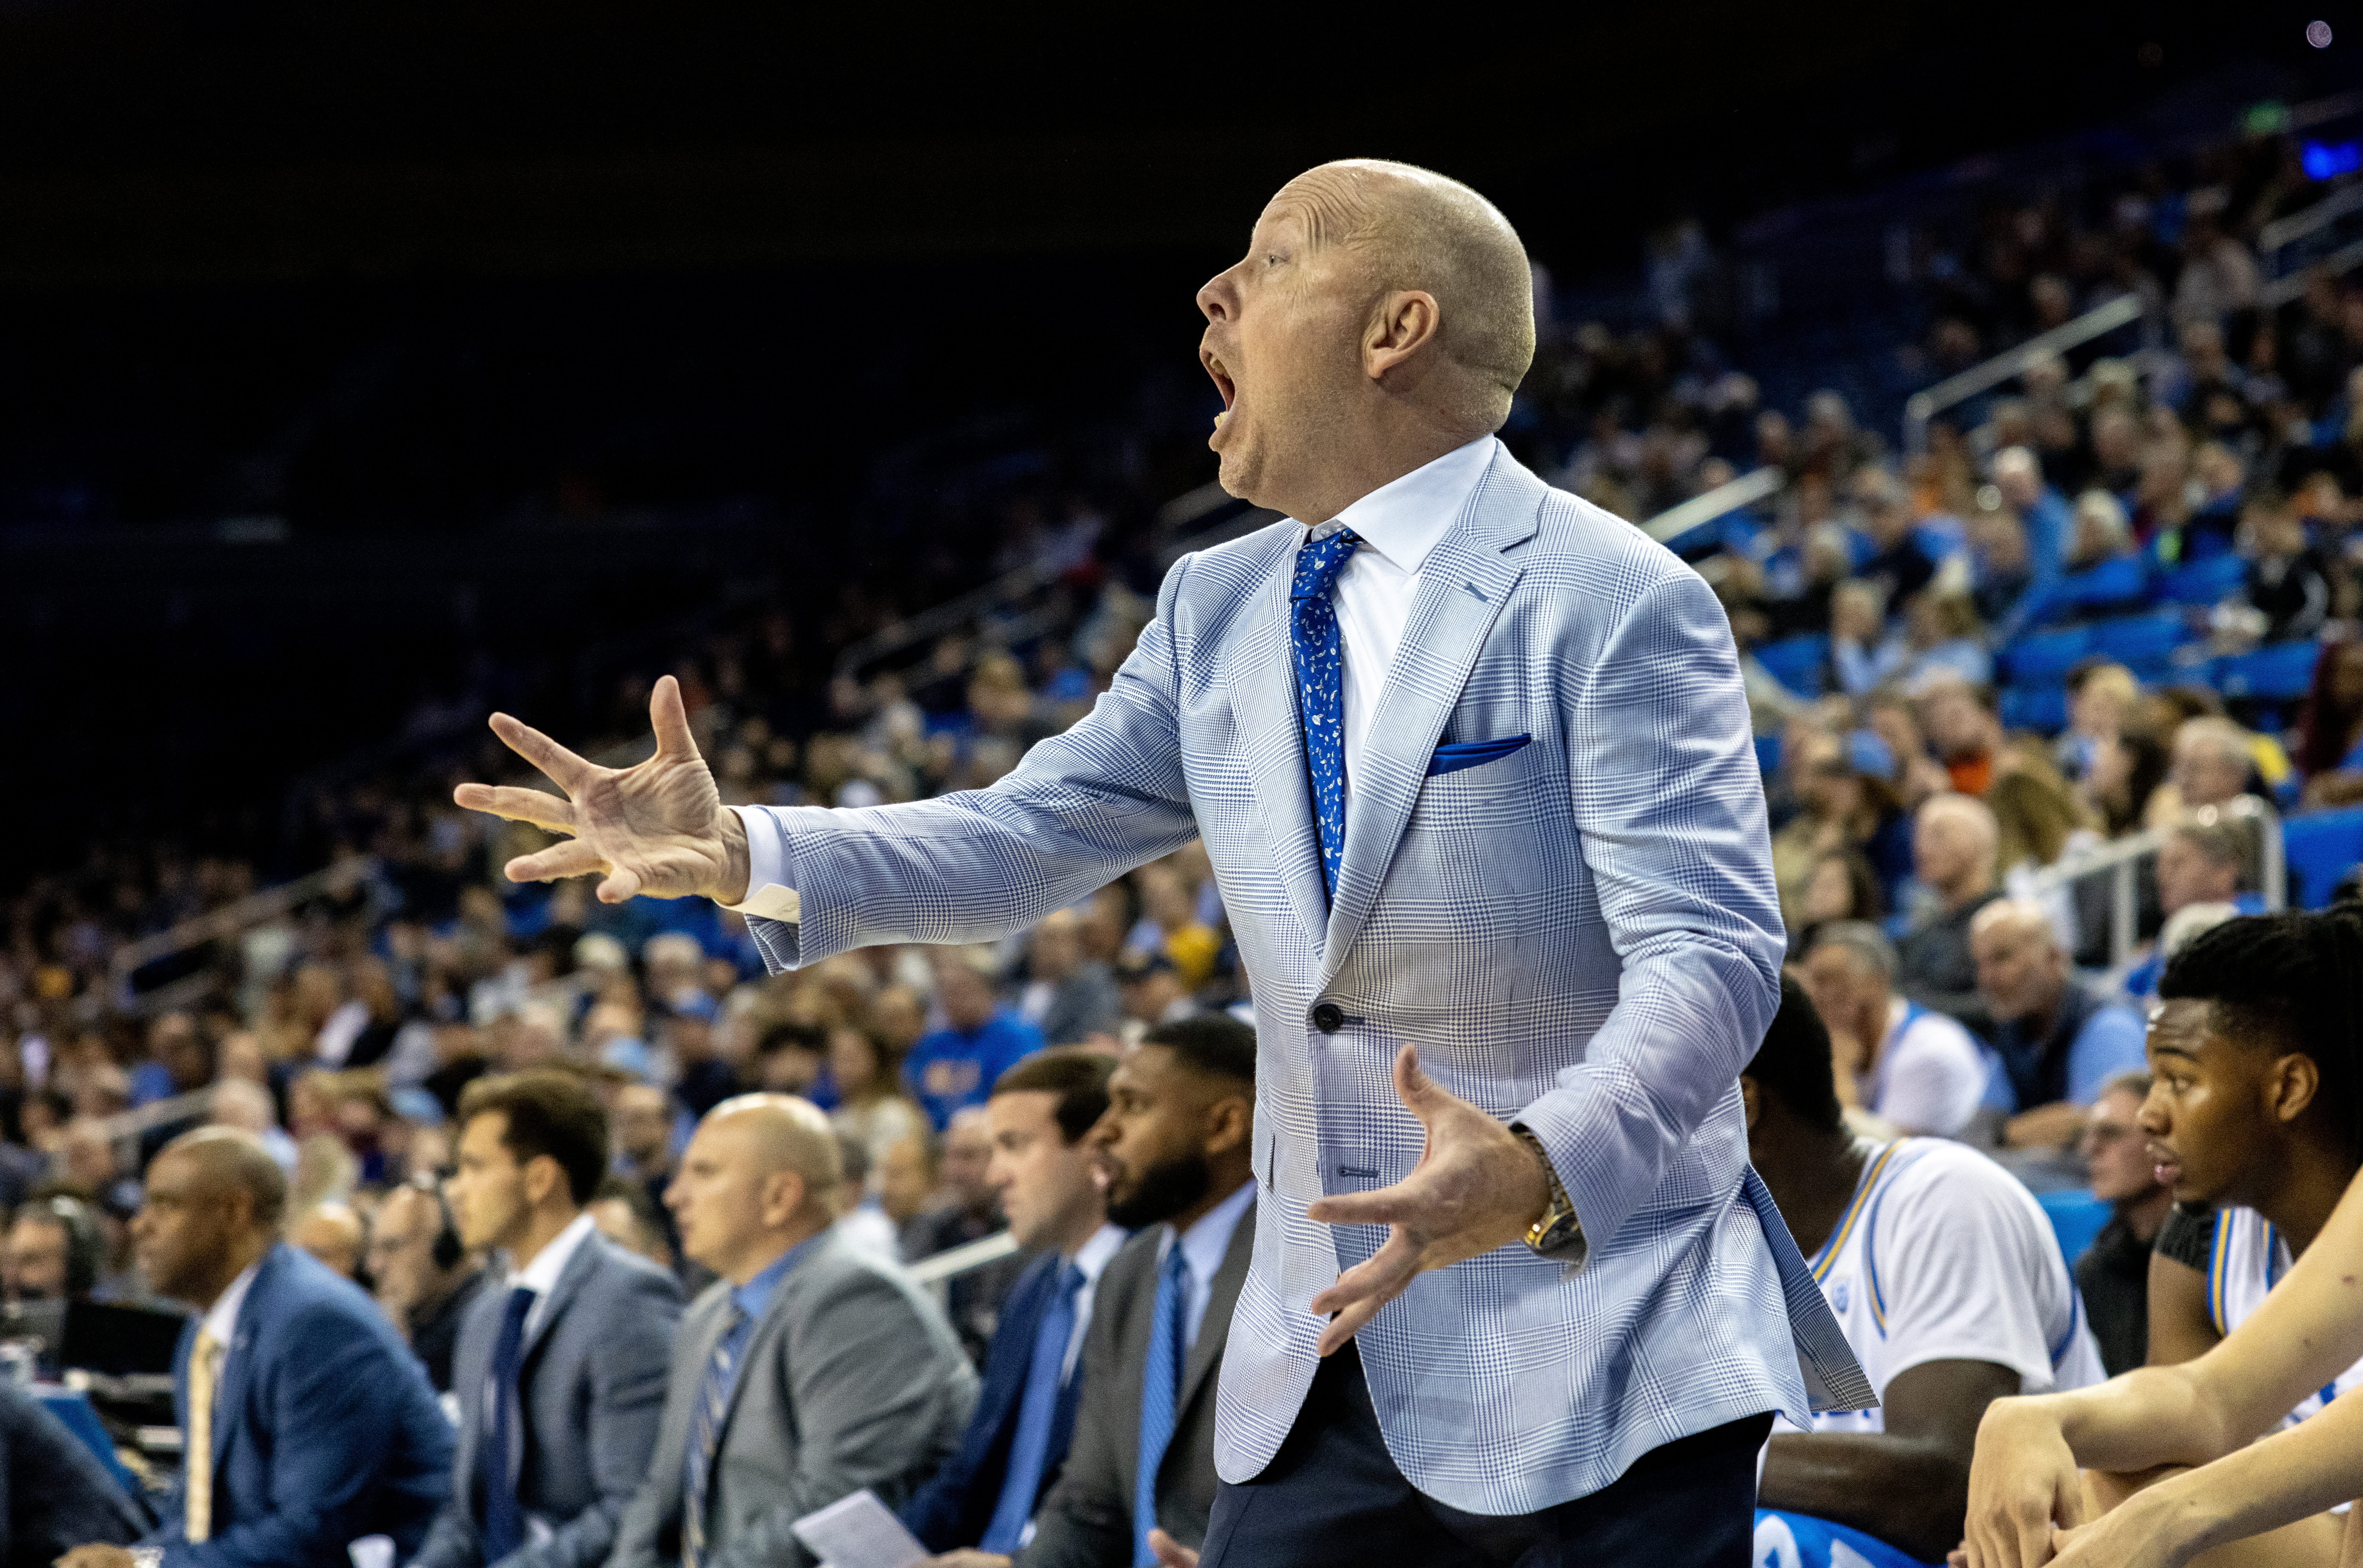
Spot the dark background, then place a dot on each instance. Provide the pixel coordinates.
(349, 352)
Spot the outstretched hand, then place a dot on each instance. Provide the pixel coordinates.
(1477, 1187)
(657, 829)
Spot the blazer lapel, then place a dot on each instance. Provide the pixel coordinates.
(570, 1280)
(1463, 584)
(1271, 737)
(1221, 1296)
(229, 1392)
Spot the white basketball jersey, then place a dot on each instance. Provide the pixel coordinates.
(1943, 1255)
(2250, 1257)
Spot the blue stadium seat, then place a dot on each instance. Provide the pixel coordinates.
(2040, 708)
(1767, 752)
(1796, 662)
(2133, 639)
(2202, 583)
(2076, 1217)
(2047, 655)
(2278, 672)
(2320, 846)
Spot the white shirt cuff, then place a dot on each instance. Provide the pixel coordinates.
(768, 895)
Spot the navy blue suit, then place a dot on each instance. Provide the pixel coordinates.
(323, 1428)
(952, 1509)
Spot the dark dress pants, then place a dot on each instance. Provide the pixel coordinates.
(1333, 1495)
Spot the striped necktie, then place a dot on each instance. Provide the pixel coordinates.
(204, 1370)
(705, 1435)
(1160, 1386)
(1319, 654)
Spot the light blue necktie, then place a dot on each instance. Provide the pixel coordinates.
(1030, 1449)
(1320, 689)
(504, 1516)
(1160, 1383)
(705, 1435)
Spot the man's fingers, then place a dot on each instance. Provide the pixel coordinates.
(572, 858)
(1361, 1290)
(1412, 1086)
(670, 718)
(621, 887)
(1386, 1206)
(565, 769)
(540, 807)
(2034, 1540)
(1171, 1553)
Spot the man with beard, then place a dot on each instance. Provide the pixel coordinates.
(1175, 1145)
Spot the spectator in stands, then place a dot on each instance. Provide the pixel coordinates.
(1176, 1147)
(965, 1208)
(425, 1276)
(1840, 887)
(2213, 764)
(337, 1235)
(871, 1107)
(1897, 563)
(53, 1251)
(1953, 845)
(954, 1067)
(1862, 657)
(806, 1372)
(2042, 511)
(1152, 991)
(1174, 928)
(1040, 1116)
(2330, 728)
(2288, 581)
(1943, 1274)
(1846, 806)
(1916, 1070)
(561, 1370)
(643, 1119)
(2100, 699)
(1963, 731)
(309, 1423)
(2058, 1043)
(2126, 770)
(2253, 1122)
(621, 1209)
(2113, 1275)
(2199, 863)
(1067, 997)
(2000, 567)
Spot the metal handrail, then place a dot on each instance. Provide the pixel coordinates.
(1723, 500)
(2280, 291)
(1923, 406)
(234, 918)
(2117, 858)
(2297, 225)
(937, 1267)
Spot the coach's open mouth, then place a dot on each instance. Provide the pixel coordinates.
(1222, 382)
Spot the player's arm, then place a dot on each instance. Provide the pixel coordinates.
(1909, 1484)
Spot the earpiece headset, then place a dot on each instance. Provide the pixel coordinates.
(83, 1242)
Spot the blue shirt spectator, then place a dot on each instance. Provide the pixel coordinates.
(2054, 1041)
(2045, 512)
(954, 1067)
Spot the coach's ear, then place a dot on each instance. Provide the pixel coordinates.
(1748, 1098)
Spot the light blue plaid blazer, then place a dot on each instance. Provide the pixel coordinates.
(1581, 935)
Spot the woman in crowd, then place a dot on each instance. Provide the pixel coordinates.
(2330, 730)
(871, 1107)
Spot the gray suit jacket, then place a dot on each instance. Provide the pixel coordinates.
(594, 1384)
(852, 1378)
(1086, 1521)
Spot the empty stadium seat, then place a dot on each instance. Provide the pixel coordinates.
(2320, 846)
(2202, 583)
(2047, 655)
(2076, 1217)
(2133, 639)
(2040, 708)
(1796, 662)
(2277, 673)
(1767, 752)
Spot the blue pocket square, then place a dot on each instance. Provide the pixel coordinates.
(1473, 754)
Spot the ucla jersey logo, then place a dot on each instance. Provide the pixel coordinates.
(1838, 1294)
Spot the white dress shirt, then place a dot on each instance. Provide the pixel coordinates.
(221, 1318)
(1091, 1258)
(1203, 1246)
(541, 1275)
(1399, 523)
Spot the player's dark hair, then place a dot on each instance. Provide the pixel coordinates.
(1792, 1066)
(2293, 981)
(1080, 1079)
(548, 1111)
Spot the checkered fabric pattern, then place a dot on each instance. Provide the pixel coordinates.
(1583, 936)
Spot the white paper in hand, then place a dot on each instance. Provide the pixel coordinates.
(859, 1531)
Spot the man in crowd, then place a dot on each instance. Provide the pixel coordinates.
(1942, 1270)
(2211, 762)
(1917, 1070)
(1962, 729)
(2113, 1273)
(1067, 997)
(2198, 863)
(806, 1372)
(334, 1233)
(307, 1423)
(644, 1126)
(1953, 842)
(425, 1276)
(953, 1067)
(967, 1209)
(53, 1251)
(2058, 1043)
(1040, 1116)
(560, 1368)
(2048, 519)
(624, 1216)
(1176, 1146)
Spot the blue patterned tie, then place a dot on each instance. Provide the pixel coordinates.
(1320, 689)
(1160, 1383)
(504, 1517)
(705, 1435)
(1030, 1449)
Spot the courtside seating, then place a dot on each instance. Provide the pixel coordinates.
(2202, 583)
(2320, 847)
(2076, 1217)
(2278, 672)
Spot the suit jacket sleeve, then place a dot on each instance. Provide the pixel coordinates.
(866, 1389)
(1082, 808)
(331, 1421)
(628, 1373)
(451, 1540)
(1086, 1519)
(1671, 810)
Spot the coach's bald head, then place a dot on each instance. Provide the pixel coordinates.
(1383, 315)
(762, 1173)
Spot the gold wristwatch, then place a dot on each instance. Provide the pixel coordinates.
(1558, 1231)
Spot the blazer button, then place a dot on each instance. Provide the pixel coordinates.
(1327, 1017)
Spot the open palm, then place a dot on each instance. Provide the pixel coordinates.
(657, 829)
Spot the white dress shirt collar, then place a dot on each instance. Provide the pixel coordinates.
(1093, 1256)
(1203, 1246)
(1403, 518)
(221, 1318)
